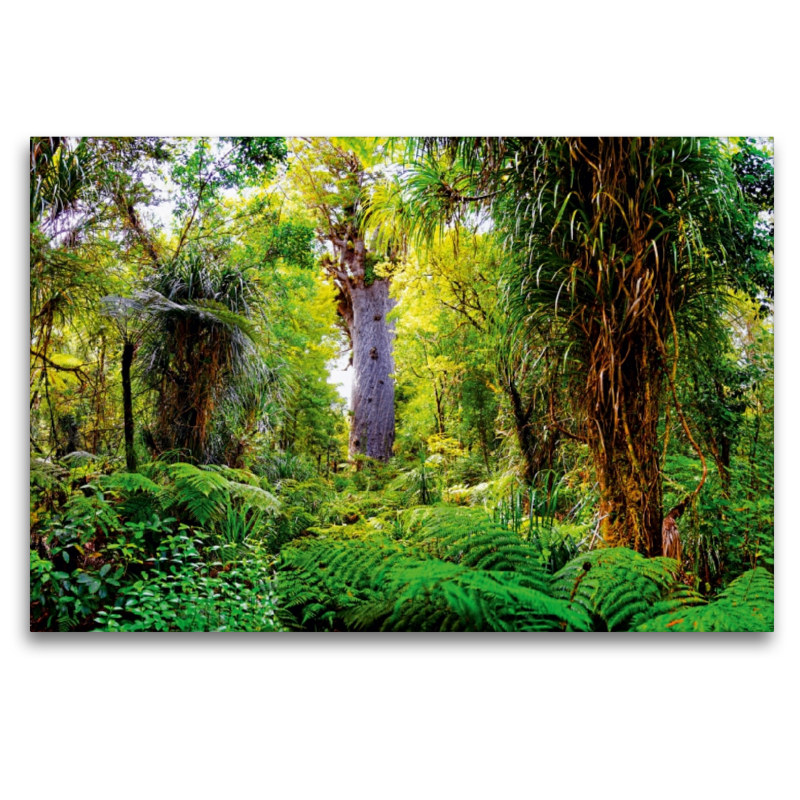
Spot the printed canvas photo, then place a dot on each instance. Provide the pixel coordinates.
(392, 384)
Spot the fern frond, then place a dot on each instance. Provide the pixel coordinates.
(128, 482)
(255, 497)
(747, 604)
(455, 569)
(202, 492)
(614, 585)
(470, 537)
(235, 475)
(680, 597)
(382, 584)
(45, 474)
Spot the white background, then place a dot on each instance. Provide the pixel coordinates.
(402, 716)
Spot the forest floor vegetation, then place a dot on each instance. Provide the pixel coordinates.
(177, 547)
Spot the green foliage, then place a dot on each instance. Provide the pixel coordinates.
(62, 175)
(68, 598)
(618, 587)
(747, 604)
(201, 492)
(292, 242)
(470, 537)
(69, 578)
(238, 525)
(454, 569)
(379, 584)
(422, 483)
(206, 493)
(182, 592)
(548, 293)
(280, 467)
(129, 483)
(95, 546)
(202, 168)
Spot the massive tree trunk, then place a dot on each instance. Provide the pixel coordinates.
(372, 429)
(364, 303)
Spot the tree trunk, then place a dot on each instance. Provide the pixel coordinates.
(625, 450)
(624, 321)
(372, 428)
(364, 303)
(522, 419)
(537, 452)
(127, 406)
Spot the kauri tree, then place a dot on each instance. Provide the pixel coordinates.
(334, 180)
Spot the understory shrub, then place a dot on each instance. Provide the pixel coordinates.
(183, 591)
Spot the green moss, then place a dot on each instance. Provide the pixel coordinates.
(370, 261)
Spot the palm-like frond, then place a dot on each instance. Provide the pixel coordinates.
(62, 175)
(203, 329)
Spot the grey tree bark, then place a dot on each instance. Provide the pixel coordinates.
(364, 303)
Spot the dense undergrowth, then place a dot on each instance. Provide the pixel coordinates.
(176, 547)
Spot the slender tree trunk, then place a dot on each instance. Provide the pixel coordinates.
(127, 406)
(484, 448)
(522, 418)
(98, 400)
(725, 464)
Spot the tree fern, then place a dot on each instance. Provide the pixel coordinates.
(617, 586)
(435, 595)
(455, 569)
(378, 583)
(747, 604)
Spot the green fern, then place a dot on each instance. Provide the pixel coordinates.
(747, 604)
(65, 620)
(438, 595)
(201, 492)
(140, 496)
(45, 474)
(128, 483)
(320, 580)
(446, 568)
(204, 492)
(474, 576)
(471, 538)
(618, 587)
(254, 497)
